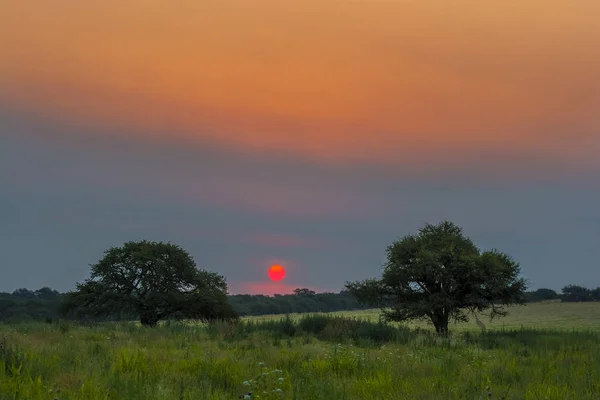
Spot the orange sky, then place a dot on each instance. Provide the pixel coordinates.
(330, 80)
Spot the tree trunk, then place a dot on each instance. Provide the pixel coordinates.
(149, 319)
(440, 322)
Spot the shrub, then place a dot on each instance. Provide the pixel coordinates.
(314, 324)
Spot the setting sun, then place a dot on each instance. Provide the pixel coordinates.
(277, 273)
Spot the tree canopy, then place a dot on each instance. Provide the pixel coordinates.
(153, 280)
(576, 293)
(439, 274)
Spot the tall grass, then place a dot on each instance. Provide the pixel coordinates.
(312, 357)
(322, 327)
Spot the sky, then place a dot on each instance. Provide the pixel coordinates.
(307, 133)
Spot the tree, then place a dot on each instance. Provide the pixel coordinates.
(304, 292)
(596, 294)
(541, 295)
(152, 280)
(46, 293)
(440, 275)
(575, 293)
(24, 293)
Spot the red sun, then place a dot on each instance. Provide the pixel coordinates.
(277, 273)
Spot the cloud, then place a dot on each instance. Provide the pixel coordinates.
(70, 200)
(420, 86)
(317, 138)
(278, 241)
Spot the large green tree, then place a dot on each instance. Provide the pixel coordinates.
(152, 280)
(440, 275)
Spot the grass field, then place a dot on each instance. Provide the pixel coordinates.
(541, 351)
(544, 315)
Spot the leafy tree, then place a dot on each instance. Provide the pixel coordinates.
(46, 293)
(575, 293)
(24, 293)
(541, 295)
(440, 275)
(304, 292)
(596, 294)
(152, 280)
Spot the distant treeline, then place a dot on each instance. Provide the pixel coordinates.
(569, 293)
(302, 301)
(44, 304)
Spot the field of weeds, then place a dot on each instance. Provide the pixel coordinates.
(307, 357)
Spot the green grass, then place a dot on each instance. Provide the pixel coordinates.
(544, 351)
(544, 315)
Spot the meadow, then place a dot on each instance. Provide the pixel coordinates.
(543, 315)
(540, 351)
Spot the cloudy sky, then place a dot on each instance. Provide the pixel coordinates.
(310, 133)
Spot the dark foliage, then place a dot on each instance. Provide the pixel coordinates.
(575, 293)
(152, 280)
(44, 304)
(27, 305)
(303, 301)
(335, 329)
(440, 275)
(542, 294)
(17, 308)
